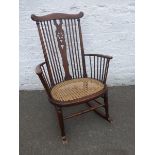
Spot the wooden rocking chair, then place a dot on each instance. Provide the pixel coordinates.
(63, 74)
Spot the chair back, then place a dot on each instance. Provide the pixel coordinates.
(61, 40)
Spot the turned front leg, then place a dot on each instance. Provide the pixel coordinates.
(61, 124)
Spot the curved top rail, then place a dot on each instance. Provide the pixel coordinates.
(56, 16)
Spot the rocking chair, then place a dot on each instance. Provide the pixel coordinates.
(64, 73)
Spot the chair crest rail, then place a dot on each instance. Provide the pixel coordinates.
(56, 16)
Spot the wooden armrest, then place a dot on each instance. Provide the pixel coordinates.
(99, 65)
(43, 77)
(38, 70)
(100, 55)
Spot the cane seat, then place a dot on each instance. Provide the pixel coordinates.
(76, 89)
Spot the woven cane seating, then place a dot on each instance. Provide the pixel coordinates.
(76, 89)
(70, 76)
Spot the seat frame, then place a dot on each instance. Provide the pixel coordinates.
(100, 73)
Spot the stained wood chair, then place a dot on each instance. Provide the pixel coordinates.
(63, 74)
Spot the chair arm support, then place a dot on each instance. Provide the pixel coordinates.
(100, 55)
(99, 65)
(43, 76)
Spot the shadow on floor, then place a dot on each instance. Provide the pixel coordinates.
(87, 134)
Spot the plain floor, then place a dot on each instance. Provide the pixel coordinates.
(87, 134)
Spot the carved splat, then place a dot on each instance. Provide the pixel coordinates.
(62, 47)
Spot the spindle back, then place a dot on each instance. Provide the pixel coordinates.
(61, 40)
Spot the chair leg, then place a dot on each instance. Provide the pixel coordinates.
(107, 106)
(61, 124)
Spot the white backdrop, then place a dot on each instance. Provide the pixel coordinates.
(107, 26)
